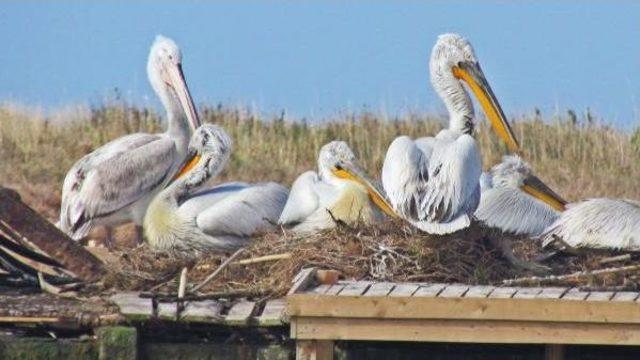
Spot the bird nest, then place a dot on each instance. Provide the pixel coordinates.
(388, 252)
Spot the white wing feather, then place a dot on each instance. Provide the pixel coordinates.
(598, 223)
(303, 199)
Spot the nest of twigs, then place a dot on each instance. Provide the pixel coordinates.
(388, 252)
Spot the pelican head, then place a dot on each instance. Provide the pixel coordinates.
(209, 150)
(338, 164)
(453, 62)
(513, 172)
(164, 69)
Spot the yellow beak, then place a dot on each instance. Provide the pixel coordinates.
(355, 174)
(188, 165)
(473, 76)
(539, 190)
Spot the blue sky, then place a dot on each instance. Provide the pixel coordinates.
(318, 58)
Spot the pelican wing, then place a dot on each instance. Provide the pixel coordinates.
(452, 193)
(514, 211)
(254, 208)
(308, 194)
(113, 177)
(598, 223)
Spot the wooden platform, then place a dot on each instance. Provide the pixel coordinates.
(459, 313)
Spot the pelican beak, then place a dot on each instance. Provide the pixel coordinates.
(539, 190)
(179, 85)
(471, 73)
(189, 163)
(353, 172)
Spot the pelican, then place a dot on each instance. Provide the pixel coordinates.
(338, 191)
(115, 183)
(516, 201)
(433, 182)
(219, 219)
(600, 223)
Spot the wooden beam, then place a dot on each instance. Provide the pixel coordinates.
(43, 234)
(553, 310)
(314, 350)
(465, 331)
(554, 352)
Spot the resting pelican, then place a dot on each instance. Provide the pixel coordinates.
(115, 183)
(219, 219)
(339, 191)
(433, 182)
(516, 201)
(599, 223)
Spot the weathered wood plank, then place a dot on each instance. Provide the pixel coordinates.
(600, 296)
(167, 311)
(379, 289)
(240, 313)
(479, 291)
(575, 294)
(467, 331)
(321, 289)
(554, 352)
(355, 289)
(403, 289)
(205, 311)
(430, 290)
(625, 296)
(314, 350)
(503, 292)
(527, 293)
(37, 230)
(552, 293)
(454, 291)
(302, 280)
(132, 306)
(334, 289)
(273, 313)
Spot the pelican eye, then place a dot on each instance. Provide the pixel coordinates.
(338, 167)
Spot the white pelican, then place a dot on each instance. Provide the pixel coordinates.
(433, 182)
(115, 183)
(218, 219)
(516, 201)
(339, 191)
(599, 223)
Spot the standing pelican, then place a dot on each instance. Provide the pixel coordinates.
(433, 182)
(115, 183)
(599, 223)
(516, 201)
(339, 191)
(218, 219)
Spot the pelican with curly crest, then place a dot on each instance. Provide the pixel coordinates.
(339, 191)
(115, 183)
(184, 218)
(516, 201)
(433, 182)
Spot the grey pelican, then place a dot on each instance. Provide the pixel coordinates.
(600, 223)
(218, 219)
(115, 183)
(433, 182)
(516, 201)
(338, 191)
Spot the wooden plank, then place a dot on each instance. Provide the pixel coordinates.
(479, 291)
(467, 331)
(334, 289)
(379, 289)
(554, 310)
(600, 296)
(132, 306)
(575, 294)
(527, 293)
(273, 313)
(625, 296)
(303, 280)
(552, 293)
(430, 290)
(30, 225)
(454, 291)
(205, 311)
(554, 352)
(503, 292)
(314, 350)
(30, 320)
(355, 288)
(167, 311)
(319, 289)
(240, 313)
(403, 289)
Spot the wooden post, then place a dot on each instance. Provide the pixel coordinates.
(314, 350)
(37, 230)
(554, 352)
